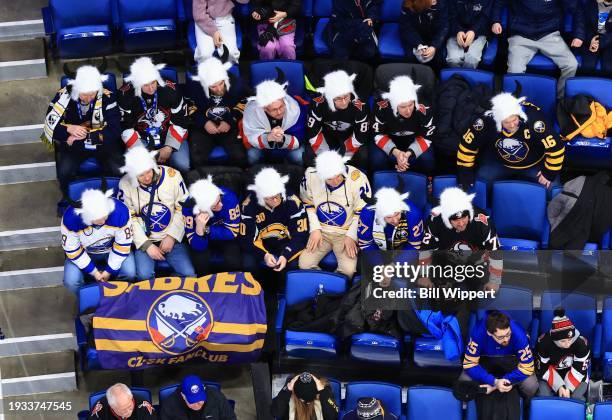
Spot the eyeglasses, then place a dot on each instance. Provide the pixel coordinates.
(503, 337)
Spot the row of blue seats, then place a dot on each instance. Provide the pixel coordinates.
(145, 393)
(303, 285)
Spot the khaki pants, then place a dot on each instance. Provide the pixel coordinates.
(331, 242)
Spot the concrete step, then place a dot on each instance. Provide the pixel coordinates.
(32, 278)
(22, 29)
(40, 197)
(22, 60)
(26, 313)
(28, 172)
(19, 154)
(20, 134)
(11, 240)
(41, 384)
(32, 259)
(37, 364)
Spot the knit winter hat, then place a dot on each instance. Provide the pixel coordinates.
(562, 326)
(268, 183)
(401, 90)
(211, 71)
(205, 193)
(337, 83)
(88, 79)
(505, 105)
(95, 205)
(453, 202)
(305, 388)
(143, 71)
(138, 160)
(329, 164)
(369, 408)
(269, 91)
(388, 202)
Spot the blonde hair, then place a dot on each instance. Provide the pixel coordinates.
(305, 411)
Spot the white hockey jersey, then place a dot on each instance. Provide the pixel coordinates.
(335, 210)
(164, 216)
(113, 238)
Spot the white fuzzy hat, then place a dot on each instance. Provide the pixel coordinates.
(329, 164)
(143, 71)
(337, 83)
(88, 79)
(452, 201)
(388, 202)
(211, 71)
(401, 90)
(138, 160)
(505, 105)
(205, 193)
(95, 205)
(268, 183)
(269, 91)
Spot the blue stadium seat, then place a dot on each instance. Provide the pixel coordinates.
(377, 348)
(431, 403)
(79, 32)
(472, 76)
(518, 303)
(603, 411)
(442, 182)
(490, 53)
(519, 211)
(143, 393)
(110, 84)
(413, 182)
(554, 407)
(336, 387)
(389, 44)
(76, 188)
(266, 70)
(90, 166)
(544, 64)
(322, 10)
(429, 352)
(304, 285)
(593, 153)
(606, 339)
(150, 28)
(580, 308)
(539, 90)
(389, 394)
(89, 299)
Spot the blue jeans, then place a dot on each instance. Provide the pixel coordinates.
(179, 159)
(256, 156)
(380, 161)
(74, 277)
(178, 259)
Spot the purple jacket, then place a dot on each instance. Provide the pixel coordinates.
(205, 12)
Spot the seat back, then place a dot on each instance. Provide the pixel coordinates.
(70, 13)
(336, 390)
(322, 8)
(133, 10)
(307, 8)
(554, 407)
(391, 10)
(432, 403)
(293, 71)
(473, 77)
(390, 395)
(76, 188)
(606, 326)
(539, 90)
(89, 297)
(597, 87)
(519, 209)
(442, 182)
(603, 411)
(414, 183)
(579, 307)
(305, 284)
(516, 301)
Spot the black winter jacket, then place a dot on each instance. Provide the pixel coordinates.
(470, 15)
(429, 27)
(216, 408)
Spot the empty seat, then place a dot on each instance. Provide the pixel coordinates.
(150, 28)
(554, 407)
(389, 44)
(322, 10)
(389, 394)
(377, 348)
(432, 403)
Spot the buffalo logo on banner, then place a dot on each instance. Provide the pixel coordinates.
(178, 321)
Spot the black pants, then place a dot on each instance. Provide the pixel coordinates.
(589, 60)
(201, 145)
(229, 255)
(355, 39)
(359, 159)
(110, 158)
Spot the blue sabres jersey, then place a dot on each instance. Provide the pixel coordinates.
(406, 235)
(224, 224)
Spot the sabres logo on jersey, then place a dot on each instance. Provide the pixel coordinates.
(332, 214)
(512, 150)
(100, 247)
(217, 113)
(159, 218)
(338, 125)
(274, 231)
(179, 320)
(539, 126)
(478, 124)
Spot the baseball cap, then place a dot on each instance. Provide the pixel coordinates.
(305, 388)
(193, 389)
